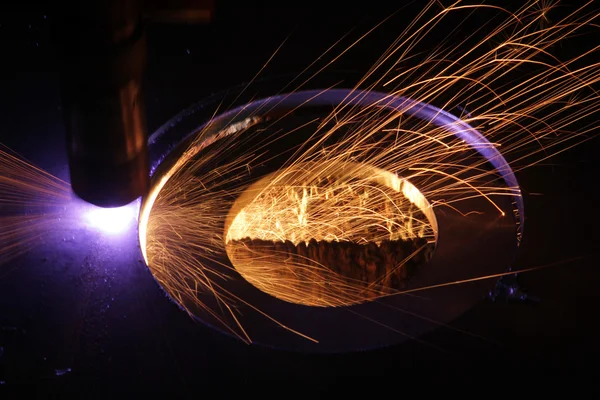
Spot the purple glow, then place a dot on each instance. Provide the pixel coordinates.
(111, 220)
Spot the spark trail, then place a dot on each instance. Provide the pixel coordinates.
(29, 201)
(527, 102)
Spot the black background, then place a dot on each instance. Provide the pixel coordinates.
(158, 348)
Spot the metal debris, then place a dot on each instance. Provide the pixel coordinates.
(61, 372)
(508, 289)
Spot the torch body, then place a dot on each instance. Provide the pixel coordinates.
(102, 55)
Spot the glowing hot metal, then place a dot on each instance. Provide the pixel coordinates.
(111, 220)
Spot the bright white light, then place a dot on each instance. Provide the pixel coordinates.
(111, 220)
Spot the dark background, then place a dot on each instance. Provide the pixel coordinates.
(53, 310)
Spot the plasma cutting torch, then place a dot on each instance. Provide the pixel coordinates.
(101, 48)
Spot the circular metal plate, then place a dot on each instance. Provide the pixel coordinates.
(477, 237)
